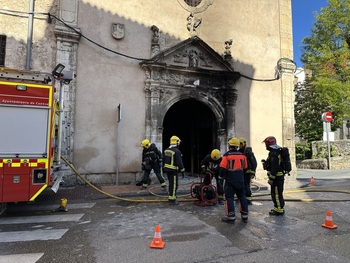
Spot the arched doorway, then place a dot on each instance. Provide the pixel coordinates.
(195, 124)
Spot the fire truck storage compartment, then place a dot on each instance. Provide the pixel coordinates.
(23, 137)
(15, 182)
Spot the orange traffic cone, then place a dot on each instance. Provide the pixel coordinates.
(312, 181)
(157, 240)
(329, 221)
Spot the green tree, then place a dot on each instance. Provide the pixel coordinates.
(326, 54)
(308, 111)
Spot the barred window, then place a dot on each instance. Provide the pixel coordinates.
(193, 3)
(2, 50)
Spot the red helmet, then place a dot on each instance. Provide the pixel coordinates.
(270, 141)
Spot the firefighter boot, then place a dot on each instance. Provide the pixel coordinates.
(229, 219)
(244, 217)
(273, 212)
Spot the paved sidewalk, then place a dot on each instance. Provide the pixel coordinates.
(323, 174)
(86, 192)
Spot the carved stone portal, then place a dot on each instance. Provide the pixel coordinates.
(189, 70)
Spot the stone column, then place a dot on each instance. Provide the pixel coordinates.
(287, 81)
(67, 46)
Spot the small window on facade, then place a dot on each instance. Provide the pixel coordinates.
(2, 50)
(193, 3)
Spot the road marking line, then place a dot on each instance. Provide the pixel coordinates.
(40, 234)
(34, 207)
(40, 219)
(23, 258)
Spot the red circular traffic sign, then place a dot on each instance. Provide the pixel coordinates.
(327, 116)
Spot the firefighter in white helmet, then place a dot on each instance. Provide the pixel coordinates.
(151, 159)
(173, 164)
(210, 165)
(249, 173)
(231, 170)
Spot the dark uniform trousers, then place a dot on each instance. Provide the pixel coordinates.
(231, 189)
(277, 193)
(173, 179)
(155, 166)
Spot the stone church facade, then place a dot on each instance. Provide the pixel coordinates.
(203, 70)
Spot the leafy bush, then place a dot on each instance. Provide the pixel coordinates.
(303, 152)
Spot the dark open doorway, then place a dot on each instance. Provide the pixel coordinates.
(194, 123)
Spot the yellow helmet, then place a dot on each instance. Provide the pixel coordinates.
(233, 142)
(175, 140)
(215, 154)
(145, 143)
(243, 141)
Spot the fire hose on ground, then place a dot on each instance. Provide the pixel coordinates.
(256, 197)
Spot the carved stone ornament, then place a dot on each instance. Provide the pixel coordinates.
(118, 30)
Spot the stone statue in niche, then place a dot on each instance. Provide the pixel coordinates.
(155, 37)
(227, 52)
(193, 59)
(155, 47)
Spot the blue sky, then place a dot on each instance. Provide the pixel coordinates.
(303, 20)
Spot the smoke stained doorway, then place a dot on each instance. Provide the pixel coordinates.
(194, 123)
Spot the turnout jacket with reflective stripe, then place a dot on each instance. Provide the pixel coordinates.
(251, 160)
(172, 159)
(211, 165)
(232, 166)
(274, 168)
(151, 155)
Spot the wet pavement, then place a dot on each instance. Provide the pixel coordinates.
(87, 192)
(96, 228)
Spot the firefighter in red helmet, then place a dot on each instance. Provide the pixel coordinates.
(211, 165)
(231, 170)
(275, 173)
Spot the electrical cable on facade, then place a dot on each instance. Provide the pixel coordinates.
(50, 16)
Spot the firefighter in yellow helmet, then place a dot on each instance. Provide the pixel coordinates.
(173, 164)
(151, 160)
(249, 174)
(210, 168)
(232, 165)
(276, 176)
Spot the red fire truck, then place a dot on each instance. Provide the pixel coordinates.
(27, 134)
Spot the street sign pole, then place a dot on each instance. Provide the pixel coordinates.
(119, 108)
(327, 118)
(328, 125)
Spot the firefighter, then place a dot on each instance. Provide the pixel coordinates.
(275, 173)
(232, 168)
(173, 164)
(151, 159)
(210, 168)
(249, 174)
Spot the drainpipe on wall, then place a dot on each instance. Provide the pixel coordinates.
(30, 33)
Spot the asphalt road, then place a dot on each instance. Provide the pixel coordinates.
(100, 229)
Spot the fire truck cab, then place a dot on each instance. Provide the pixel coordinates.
(27, 134)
